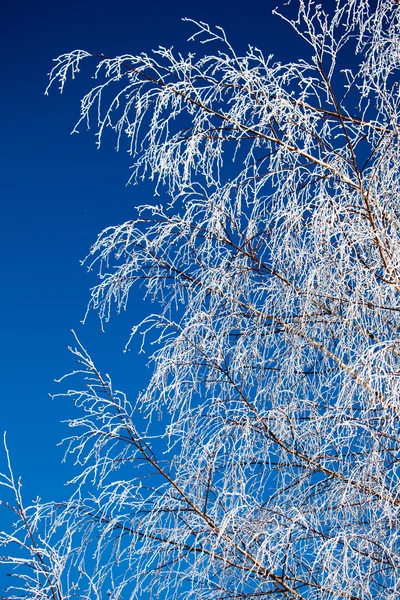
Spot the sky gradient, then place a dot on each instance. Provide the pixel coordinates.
(59, 192)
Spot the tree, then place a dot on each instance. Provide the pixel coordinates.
(273, 272)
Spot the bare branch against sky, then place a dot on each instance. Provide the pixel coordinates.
(262, 458)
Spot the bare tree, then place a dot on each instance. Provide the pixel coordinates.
(273, 271)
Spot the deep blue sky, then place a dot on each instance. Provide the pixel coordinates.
(58, 192)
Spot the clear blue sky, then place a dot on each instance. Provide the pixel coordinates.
(58, 192)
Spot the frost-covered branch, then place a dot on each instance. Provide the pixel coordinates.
(262, 458)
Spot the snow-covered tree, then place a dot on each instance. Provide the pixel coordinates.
(263, 458)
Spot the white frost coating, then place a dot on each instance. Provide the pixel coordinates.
(274, 274)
